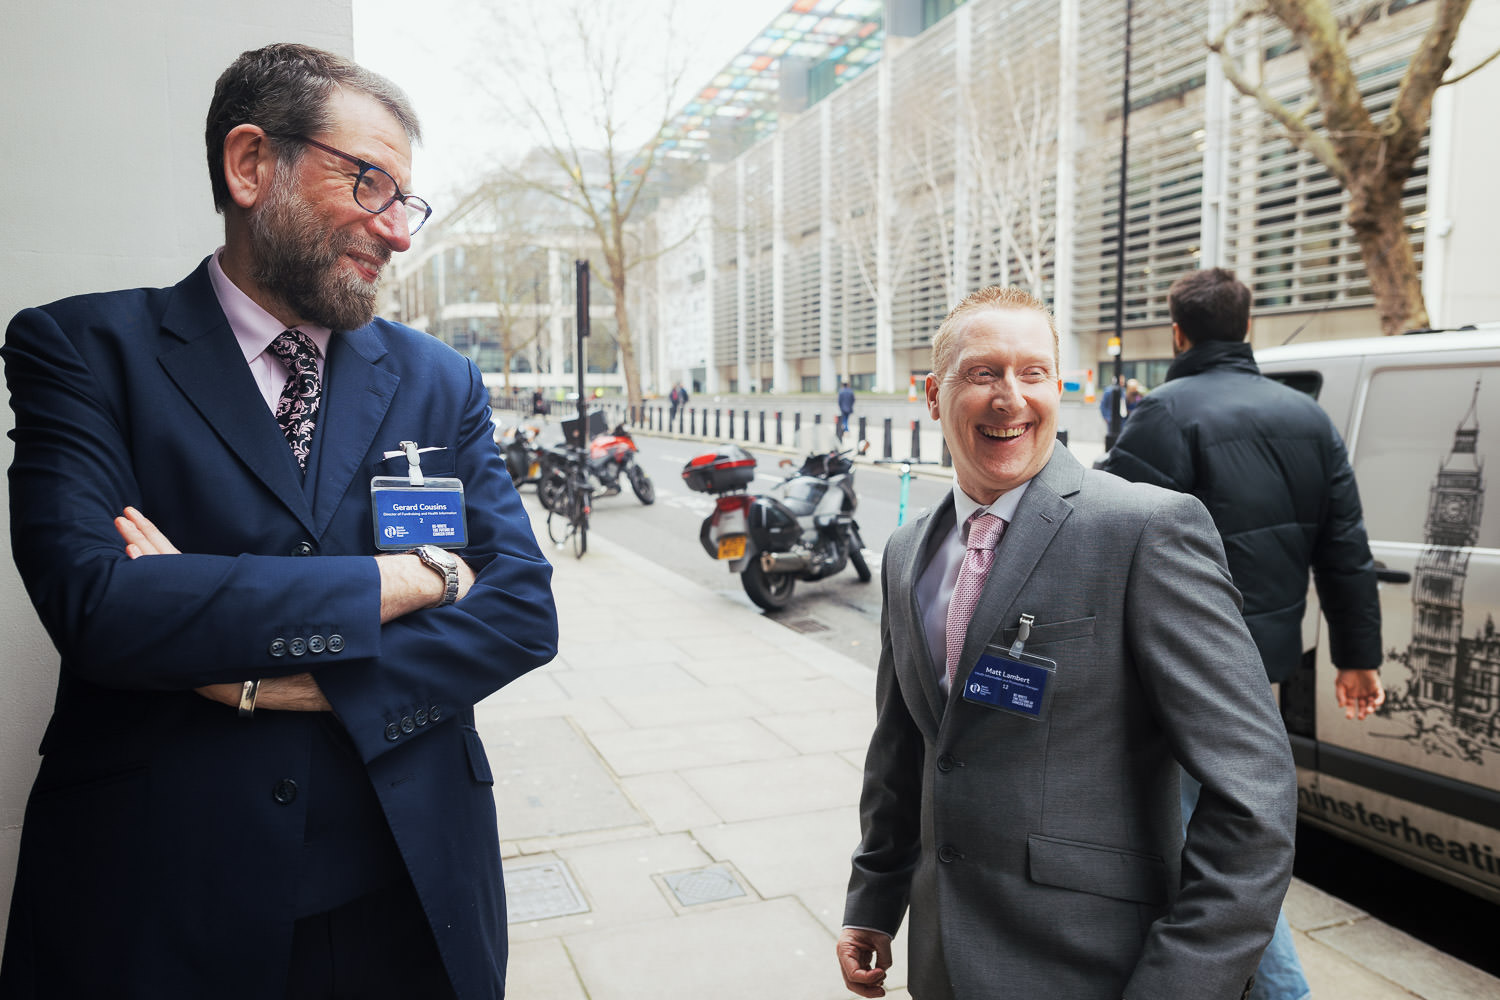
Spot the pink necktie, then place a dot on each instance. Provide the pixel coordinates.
(985, 530)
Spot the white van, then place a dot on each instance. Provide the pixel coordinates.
(1420, 782)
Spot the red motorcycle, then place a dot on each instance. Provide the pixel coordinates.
(611, 455)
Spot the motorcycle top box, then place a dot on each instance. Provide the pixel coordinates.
(729, 468)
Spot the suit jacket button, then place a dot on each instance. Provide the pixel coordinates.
(421, 716)
(948, 855)
(302, 549)
(945, 763)
(434, 713)
(316, 644)
(278, 647)
(297, 646)
(407, 724)
(335, 643)
(393, 732)
(285, 791)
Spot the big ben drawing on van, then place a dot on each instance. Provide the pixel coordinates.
(1454, 671)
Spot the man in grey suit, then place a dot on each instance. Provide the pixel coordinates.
(1021, 791)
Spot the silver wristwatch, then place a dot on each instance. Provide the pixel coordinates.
(444, 564)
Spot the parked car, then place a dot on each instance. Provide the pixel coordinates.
(1419, 782)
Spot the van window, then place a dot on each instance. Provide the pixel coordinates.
(1426, 438)
(1308, 382)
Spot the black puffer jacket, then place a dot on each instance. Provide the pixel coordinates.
(1272, 470)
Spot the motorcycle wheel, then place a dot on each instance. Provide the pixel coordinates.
(770, 591)
(516, 466)
(857, 560)
(645, 490)
(550, 490)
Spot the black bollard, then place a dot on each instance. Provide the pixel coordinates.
(762, 426)
(885, 448)
(916, 440)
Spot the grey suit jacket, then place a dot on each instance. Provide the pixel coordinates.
(1045, 857)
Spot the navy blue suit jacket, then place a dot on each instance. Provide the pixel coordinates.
(162, 850)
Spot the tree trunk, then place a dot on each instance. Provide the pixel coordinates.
(1379, 224)
(625, 340)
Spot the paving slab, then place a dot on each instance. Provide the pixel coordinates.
(1407, 962)
(673, 748)
(669, 802)
(771, 949)
(598, 676)
(549, 781)
(844, 730)
(542, 970)
(785, 854)
(787, 786)
(687, 706)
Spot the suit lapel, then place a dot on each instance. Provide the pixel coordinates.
(206, 364)
(909, 557)
(1041, 513)
(356, 395)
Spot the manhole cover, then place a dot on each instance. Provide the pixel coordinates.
(806, 625)
(540, 892)
(706, 885)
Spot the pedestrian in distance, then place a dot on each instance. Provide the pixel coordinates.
(678, 398)
(1272, 470)
(261, 777)
(539, 405)
(1020, 802)
(846, 408)
(1109, 400)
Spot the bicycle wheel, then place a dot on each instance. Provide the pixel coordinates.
(580, 522)
(560, 520)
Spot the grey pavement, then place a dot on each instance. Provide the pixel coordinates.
(678, 792)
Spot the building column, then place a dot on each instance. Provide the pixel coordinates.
(1067, 162)
(827, 372)
(778, 262)
(1212, 252)
(885, 354)
(963, 38)
(742, 277)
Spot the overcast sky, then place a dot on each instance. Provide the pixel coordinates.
(434, 51)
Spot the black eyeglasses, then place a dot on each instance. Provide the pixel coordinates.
(374, 189)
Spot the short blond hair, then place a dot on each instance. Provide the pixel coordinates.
(990, 297)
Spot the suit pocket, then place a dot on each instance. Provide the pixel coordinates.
(1103, 871)
(1073, 628)
(479, 762)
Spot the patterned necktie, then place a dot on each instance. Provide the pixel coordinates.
(297, 409)
(985, 530)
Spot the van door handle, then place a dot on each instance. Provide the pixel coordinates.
(1391, 575)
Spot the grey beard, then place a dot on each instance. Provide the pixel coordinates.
(296, 259)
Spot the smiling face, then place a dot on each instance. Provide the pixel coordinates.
(998, 400)
(313, 247)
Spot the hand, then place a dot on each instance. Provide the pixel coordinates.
(1359, 692)
(406, 585)
(855, 948)
(142, 538)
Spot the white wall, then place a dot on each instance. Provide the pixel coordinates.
(1463, 207)
(106, 187)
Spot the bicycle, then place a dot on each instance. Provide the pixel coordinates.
(571, 499)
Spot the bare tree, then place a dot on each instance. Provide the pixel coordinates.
(580, 88)
(856, 211)
(1371, 159)
(1011, 154)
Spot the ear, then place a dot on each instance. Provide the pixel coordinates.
(1180, 343)
(249, 164)
(930, 386)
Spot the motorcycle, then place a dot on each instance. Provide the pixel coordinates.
(523, 456)
(611, 456)
(801, 529)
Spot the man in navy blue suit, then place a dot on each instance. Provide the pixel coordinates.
(281, 561)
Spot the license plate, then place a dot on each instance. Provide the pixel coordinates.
(732, 547)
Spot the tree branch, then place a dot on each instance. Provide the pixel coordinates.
(1450, 81)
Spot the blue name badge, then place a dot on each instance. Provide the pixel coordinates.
(407, 516)
(1017, 684)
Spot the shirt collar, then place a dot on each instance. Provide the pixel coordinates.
(253, 327)
(1004, 507)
